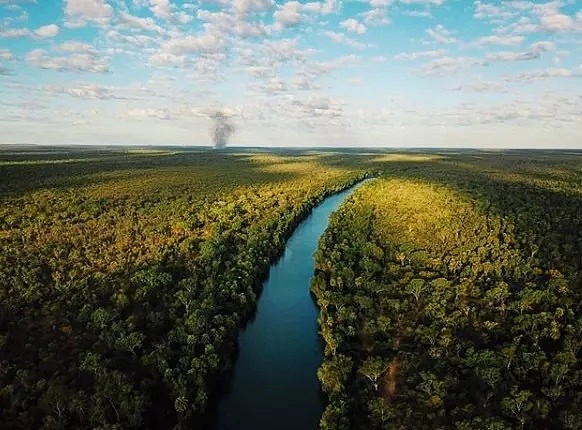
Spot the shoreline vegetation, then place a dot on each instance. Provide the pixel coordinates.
(449, 287)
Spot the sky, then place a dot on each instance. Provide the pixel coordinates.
(358, 73)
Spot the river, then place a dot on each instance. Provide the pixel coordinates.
(274, 381)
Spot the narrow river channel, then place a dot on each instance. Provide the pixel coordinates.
(274, 383)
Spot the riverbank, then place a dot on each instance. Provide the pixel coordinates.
(274, 382)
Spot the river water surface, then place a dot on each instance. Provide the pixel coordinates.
(274, 383)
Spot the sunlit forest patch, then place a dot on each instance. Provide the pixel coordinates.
(412, 158)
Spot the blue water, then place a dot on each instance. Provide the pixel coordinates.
(274, 383)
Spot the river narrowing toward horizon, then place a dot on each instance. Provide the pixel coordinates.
(274, 381)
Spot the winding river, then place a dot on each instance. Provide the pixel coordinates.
(274, 383)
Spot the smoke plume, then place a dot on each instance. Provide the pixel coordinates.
(222, 129)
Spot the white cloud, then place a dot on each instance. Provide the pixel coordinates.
(379, 59)
(536, 75)
(426, 13)
(523, 25)
(270, 86)
(260, 72)
(240, 40)
(376, 16)
(500, 40)
(76, 47)
(313, 111)
(14, 2)
(165, 10)
(354, 26)
(424, 2)
(244, 7)
(556, 22)
(492, 13)
(203, 43)
(87, 91)
(161, 8)
(75, 62)
(550, 108)
(318, 103)
(483, 87)
(521, 5)
(420, 54)
(138, 41)
(325, 7)
(47, 31)
(449, 65)
(136, 22)
(522, 17)
(441, 35)
(14, 33)
(380, 3)
(288, 14)
(81, 11)
(551, 19)
(283, 50)
(225, 23)
(143, 113)
(543, 46)
(44, 32)
(535, 51)
(303, 83)
(311, 71)
(513, 56)
(6, 54)
(206, 67)
(344, 40)
(167, 59)
(356, 81)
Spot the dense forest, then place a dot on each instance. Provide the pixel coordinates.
(450, 292)
(124, 277)
(449, 286)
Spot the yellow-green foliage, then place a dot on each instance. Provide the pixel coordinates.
(416, 211)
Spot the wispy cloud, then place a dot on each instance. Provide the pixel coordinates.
(44, 32)
(74, 62)
(441, 35)
(343, 39)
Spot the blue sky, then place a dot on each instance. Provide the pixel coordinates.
(293, 73)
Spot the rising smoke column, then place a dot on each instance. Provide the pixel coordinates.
(222, 129)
